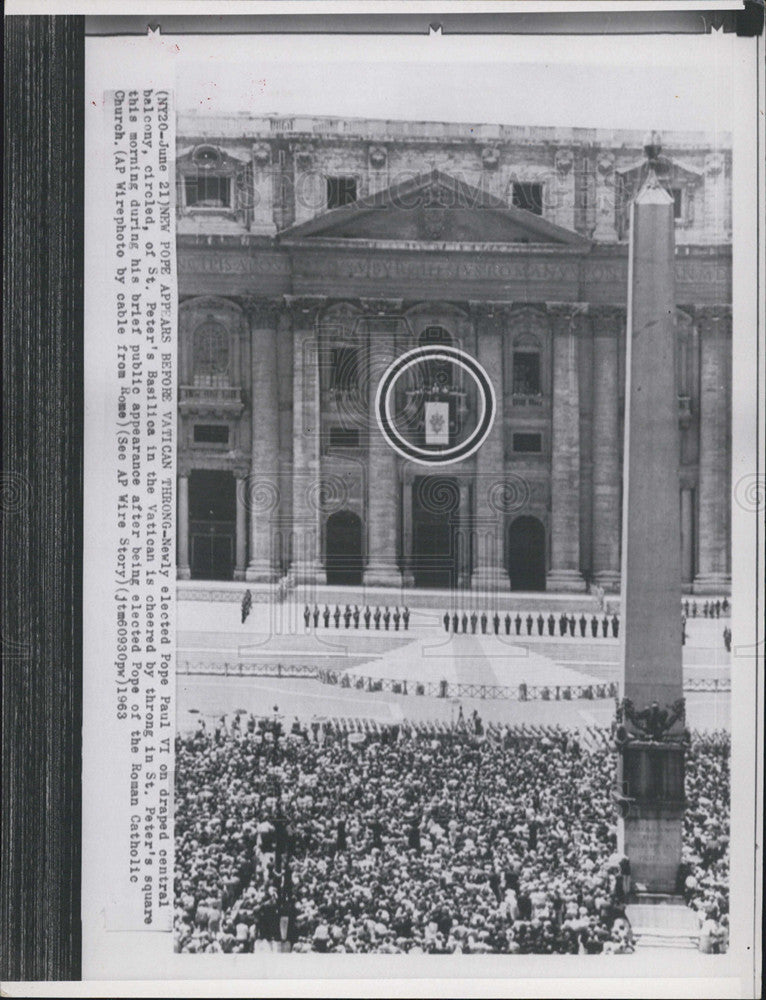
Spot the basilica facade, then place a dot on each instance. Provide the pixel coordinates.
(313, 253)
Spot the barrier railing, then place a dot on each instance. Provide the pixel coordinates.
(434, 689)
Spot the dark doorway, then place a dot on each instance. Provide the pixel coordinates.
(435, 522)
(212, 517)
(343, 549)
(526, 554)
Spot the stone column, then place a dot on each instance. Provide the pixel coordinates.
(464, 534)
(687, 536)
(307, 568)
(383, 494)
(564, 573)
(606, 450)
(408, 577)
(488, 570)
(261, 490)
(183, 571)
(714, 491)
(240, 537)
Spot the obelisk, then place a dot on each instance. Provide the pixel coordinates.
(650, 717)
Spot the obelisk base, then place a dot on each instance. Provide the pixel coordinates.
(650, 823)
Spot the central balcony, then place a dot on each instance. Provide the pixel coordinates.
(218, 400)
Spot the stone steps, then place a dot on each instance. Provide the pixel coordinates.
(663, 921)
(655, 938)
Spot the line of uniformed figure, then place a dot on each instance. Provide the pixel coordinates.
(371, 619)
(710, 609)
(565, 624)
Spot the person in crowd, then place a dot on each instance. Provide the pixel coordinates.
(694, 609)
(615, 626)
(483, 621)
(247, 603)
(397, 618)
(355, 615)
(718, 609)
(347, 616)
(455, 623)
(336, 616)
(326, 616)
(540, 624)
(474, 619)
(583, 625)
(307, 617)
(605, 626)
(530, 623)
(727, 638)
(706, 609)
(316, 616)
(563, 623)
(464, 623)
(683, 630)
(551, 624)
(476, 840)
(517, 623)
(686, 608)
(446, 621)
(725, 606)
(496, 623)
(572, 625)
(386, 617)
(406, 618)
(507, 623)
(594, 627)
(377, 616)
(367, 616)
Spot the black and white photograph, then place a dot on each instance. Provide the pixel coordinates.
(404, 472)
(427, 459)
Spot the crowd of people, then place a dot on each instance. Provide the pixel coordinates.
(710, 609)
(563, 624)
(467, 838)
(355, 617)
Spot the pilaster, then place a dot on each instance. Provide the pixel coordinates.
(564, 573)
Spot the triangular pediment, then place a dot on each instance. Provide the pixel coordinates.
(434, 207)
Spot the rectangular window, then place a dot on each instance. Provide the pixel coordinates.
(530, 444)
(526, 373)
(528, 196)
(207, 191)
(342, 437)
(211, 434)
(344, 371)
(340, 191)
(677, 194)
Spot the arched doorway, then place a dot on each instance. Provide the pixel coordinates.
(343, 549)
(526, 554)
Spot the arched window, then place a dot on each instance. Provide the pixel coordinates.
(439, 372)
(211, 355)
